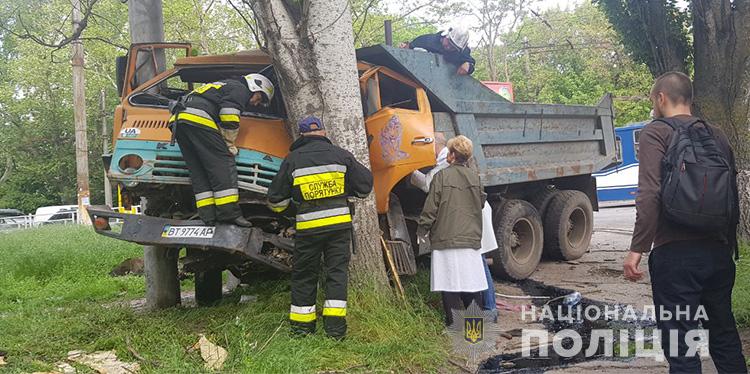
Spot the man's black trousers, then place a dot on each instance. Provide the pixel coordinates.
(334, 246)
(686, 275)
(213, 172)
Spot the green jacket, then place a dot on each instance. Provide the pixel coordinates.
(453, 210)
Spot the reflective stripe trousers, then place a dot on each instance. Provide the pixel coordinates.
(213, 172)
(334, 246)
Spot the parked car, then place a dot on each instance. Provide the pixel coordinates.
(55, 214)
(13, 219)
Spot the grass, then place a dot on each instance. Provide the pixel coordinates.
(56, 296)
(741, 292)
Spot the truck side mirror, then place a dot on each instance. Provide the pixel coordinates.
(121, 64)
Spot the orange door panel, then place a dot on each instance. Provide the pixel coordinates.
(400, 141)
(268, 136)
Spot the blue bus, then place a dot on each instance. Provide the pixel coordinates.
(619, 184)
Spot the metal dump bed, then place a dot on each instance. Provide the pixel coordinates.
(513, 142)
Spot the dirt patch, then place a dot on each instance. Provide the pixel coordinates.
(606, 272)
(745, 339)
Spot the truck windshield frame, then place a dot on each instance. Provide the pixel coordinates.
(160, 101)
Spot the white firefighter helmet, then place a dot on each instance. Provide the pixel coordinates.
(259, 83)
(458, 35)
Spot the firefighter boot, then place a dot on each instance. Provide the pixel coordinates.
(335, 327)
(241, 222)
(301, 329)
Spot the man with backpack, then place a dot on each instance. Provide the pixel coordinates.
(687, 208)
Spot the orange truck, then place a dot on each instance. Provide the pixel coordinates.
(535, 161)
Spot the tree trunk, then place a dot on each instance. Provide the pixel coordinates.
(313, 53)
(721, 36)
(160, 264)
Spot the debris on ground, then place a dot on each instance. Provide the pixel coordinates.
(60, 368)
(213, 355)
(103, 362)
(65, 368)
(131, 266)
(246, 299)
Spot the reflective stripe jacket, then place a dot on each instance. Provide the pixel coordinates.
(318, 177)
(216, 103)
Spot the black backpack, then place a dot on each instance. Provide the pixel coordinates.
(698, 186)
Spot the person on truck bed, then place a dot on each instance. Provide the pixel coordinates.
(452, 44)
(205, 124)
(319, 177)
(452, 215)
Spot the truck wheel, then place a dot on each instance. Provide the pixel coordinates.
(568, 224)
(208, 287)
(541, 200)
(518, 229)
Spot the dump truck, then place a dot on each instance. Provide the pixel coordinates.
(535, 162)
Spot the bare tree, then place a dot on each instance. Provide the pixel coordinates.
(18, 26)
(312, 46)
(495, 17)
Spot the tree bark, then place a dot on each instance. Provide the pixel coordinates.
(160, 263)
(721, 36)
(313, 53)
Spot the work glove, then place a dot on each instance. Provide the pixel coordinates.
(230, 136)
(423, 240)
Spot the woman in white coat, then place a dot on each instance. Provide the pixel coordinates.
(453, 217)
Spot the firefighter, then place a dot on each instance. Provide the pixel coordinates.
(319, 177)
(205, 124)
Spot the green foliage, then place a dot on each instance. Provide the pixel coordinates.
(57, 297)
(576, 61)
(628, 19)
(741, 292)
(368, 19)
(36, 111)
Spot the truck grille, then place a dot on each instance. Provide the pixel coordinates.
(150, 124)
(247, 173)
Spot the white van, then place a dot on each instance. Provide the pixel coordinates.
(56, 214)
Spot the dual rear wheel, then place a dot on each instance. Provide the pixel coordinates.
(559, 227)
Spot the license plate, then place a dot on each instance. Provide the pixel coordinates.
(203, 232)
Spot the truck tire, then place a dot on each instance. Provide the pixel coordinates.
(518, 229)
(568, 225)
(541, 200)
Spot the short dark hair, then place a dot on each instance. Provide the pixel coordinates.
(676, 85)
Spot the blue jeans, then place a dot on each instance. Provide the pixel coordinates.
(488, 295)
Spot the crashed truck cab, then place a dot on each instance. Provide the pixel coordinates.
(145, 164)
(535, 160)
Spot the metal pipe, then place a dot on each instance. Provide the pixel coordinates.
(388, 32)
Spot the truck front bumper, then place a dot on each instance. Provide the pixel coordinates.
(244, 242)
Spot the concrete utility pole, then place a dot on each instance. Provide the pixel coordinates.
(160, 264)
(79, 117)
(105, 147)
